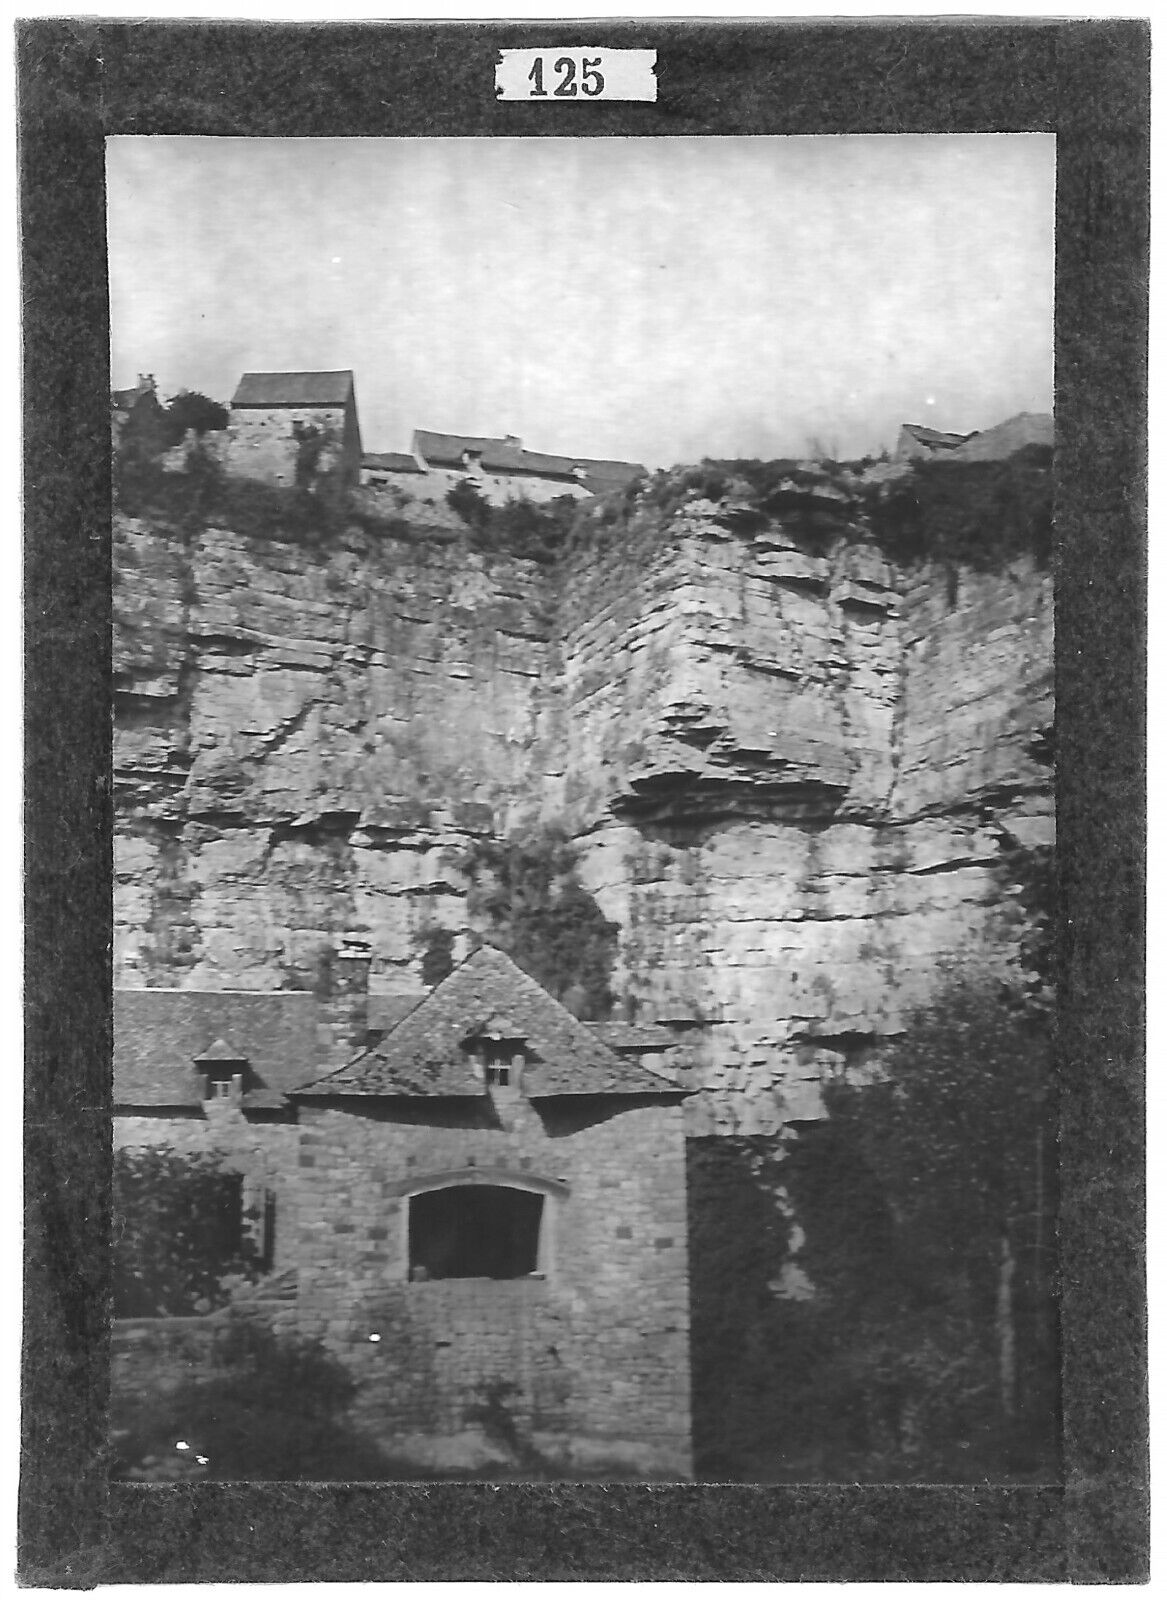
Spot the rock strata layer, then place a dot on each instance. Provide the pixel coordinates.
(799, 779)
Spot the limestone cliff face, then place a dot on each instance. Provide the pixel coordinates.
(800, 783)
(799, 779)
(303, 740)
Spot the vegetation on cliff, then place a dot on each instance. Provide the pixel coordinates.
(526, 897)
(981, 514)
(517, 528)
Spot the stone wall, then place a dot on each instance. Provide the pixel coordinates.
(585, 1367)
(264, 444)
(495, 487)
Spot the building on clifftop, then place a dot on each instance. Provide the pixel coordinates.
(498, 468)
(295, 429)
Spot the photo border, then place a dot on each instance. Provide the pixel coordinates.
(1085, 81)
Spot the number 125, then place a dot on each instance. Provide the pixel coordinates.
(591, 80)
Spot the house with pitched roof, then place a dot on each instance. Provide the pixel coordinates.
(482, 1208)
(500, 469)
(295, 428)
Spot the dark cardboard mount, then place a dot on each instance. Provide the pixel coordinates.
(1087, 82)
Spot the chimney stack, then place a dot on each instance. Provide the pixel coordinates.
(346, 1010)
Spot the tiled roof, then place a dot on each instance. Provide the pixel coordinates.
(614, 473)
(159, 1034)
(447, 449)
(424, 1053)
(507, 455)
(633, 1035)
(385, 1011)
(293, 389)
(390, 461)
(504, 458)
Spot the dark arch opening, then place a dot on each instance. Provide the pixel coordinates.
(474, 1231)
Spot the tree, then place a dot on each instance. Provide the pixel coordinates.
(926, 1201)
(192, 412)
(178, 1233)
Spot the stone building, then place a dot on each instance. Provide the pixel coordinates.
(482, 1211)
(137, 412)
(289, 428)
(499, 469)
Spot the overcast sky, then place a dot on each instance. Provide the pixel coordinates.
(657, 300)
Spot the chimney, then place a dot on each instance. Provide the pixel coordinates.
(346, 1010)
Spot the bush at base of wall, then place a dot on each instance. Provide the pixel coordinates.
(178, 1233)
(270, 1406)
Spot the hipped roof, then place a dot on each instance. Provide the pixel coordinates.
(294, 389)
(425, 1055)
(160, 1036)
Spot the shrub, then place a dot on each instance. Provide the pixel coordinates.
(177, 1233)
(272, 1406)
(465, 499)
(190, 411)
(437, 960)
(517, 528)
(981, 514)
(525, 893)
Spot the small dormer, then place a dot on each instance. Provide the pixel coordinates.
(498, 1049)
(224, 1072)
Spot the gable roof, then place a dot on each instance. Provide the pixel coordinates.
(447, 449)
(160, 1034)
(220, 1053)
(294, 389)
(424, 1055)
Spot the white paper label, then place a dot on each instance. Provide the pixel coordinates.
(576, 72)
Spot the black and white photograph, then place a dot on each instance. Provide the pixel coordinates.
(584, 835)
(584, 645)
